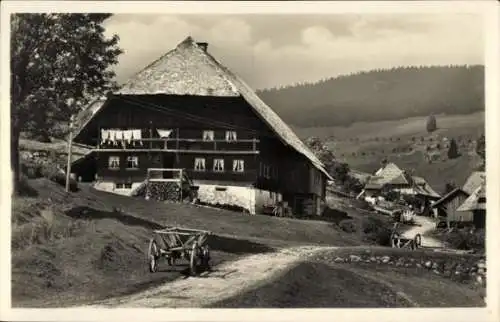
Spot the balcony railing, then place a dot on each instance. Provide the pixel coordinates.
(184, 145)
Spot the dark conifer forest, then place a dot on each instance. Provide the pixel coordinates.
(377, 95)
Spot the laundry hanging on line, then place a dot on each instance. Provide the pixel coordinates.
(115, 136)
(164, 133)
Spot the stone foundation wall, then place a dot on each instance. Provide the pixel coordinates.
(109, 186)
(243, 197)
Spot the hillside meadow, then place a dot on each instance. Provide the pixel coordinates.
(407, 143)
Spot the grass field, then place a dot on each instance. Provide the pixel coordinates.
(364, 145)
(451, 125)
(89, 245)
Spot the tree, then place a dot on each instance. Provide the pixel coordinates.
(324, 154)
(340, 172)
(453, 150)
(450, 186)
(59, 62)
(352, 184)
(431, 125)
(481, 148)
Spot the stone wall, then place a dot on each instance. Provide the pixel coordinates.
(234, 196)
(463, 269)
(266, 198)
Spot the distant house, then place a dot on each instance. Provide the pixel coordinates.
(391, 178)
(458, 205)
(187, 111)
(475, 205)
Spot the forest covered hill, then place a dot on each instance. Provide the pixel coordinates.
(377, 95)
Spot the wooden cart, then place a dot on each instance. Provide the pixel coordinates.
(397, 241)
(174, 243)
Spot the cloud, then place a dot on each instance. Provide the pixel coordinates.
(271, 50)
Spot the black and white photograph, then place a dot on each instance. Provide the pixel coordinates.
(168, 159)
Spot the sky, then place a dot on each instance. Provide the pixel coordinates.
(276, 50)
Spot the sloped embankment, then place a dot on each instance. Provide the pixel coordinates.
(69, 249)
(357, 277)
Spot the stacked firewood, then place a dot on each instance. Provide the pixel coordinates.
(163, 191)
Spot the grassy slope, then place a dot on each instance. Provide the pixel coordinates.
(452, 125)
(93, 252)
(357, 285)
(438, 173)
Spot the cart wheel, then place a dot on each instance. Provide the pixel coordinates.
(205, 257)
(193, 261)
(395, 240)
(418, 240)
(153, 256)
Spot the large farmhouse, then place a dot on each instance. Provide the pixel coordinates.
(187, 111)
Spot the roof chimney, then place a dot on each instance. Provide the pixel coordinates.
(203, 45)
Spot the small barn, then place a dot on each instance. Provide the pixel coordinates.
(462, 204)
(447, 207)
(475, 206)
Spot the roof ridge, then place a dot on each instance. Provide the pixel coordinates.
(183, 43)
(207, 71)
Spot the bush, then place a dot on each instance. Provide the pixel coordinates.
(34, 170)
(31, 170)
(376, 231)
(348, 226)
(464, 239)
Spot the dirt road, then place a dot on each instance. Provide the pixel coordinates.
(424, 225)
(222, 282)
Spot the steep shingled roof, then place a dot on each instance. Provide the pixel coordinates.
(476, 201)
(474, 181)
(450, 195)
(389, 174)
(190, 70)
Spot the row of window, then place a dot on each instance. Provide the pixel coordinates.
(199, 164)
(114, 162)
(218, 165)
(210, 136)
(268, 172)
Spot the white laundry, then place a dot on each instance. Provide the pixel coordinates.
(114, 136)
(127, 135)
(136, 135)
(164, 133)
(104, 136)
(119, 135)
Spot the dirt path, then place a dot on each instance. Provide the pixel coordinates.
(222, 282)
(424, 225)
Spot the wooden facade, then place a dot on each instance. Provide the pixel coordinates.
(268, 164)
(448, 205)
(187, 111)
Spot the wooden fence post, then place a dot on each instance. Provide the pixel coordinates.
(70, 142)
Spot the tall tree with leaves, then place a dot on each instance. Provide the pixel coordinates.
(453, 150)
(431, 124)
(58, 63)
